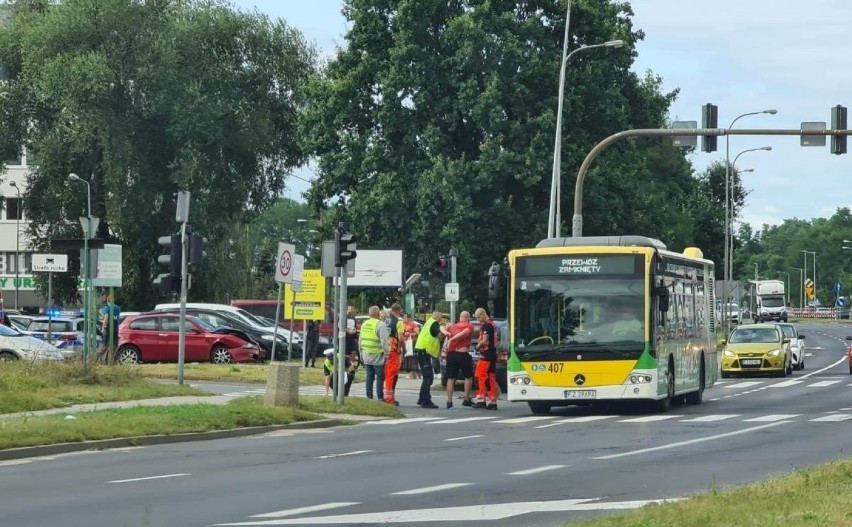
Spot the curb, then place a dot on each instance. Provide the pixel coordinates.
(122, 442)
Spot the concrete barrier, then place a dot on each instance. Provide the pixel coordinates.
(282, 385)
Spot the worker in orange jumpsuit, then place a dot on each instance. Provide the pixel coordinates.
(486, 368)
(394, 360)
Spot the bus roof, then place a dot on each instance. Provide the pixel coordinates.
(618, 241)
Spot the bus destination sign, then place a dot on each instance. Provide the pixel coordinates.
(583, 265)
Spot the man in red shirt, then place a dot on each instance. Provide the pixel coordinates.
(459, 361)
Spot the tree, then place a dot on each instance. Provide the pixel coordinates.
(434, 129)
(143, 99)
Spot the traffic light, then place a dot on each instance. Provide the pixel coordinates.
(709, 119)
(442, 267)
(344, 246)
(838, 122)
(197, 244)
(167, 282)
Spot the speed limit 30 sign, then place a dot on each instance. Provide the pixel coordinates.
(284, 263)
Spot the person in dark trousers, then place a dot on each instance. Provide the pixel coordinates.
(351, 331)
(312, 343)
(427, 348)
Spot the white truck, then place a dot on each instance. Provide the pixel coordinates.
(771, 303)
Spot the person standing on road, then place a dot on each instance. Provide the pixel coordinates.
(409, 339)
(111, 312)
(394, 357)
(426, 350)
(351, 331)
(486, 368)
(374, 350)
(311, 343)
(458, 357)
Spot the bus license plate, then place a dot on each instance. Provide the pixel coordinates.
(579, 394)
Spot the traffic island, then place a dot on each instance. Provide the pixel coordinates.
(282, 385)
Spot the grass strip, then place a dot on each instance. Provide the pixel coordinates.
(250, 373)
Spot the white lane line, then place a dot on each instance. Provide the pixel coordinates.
(459, 420)
(536, 470)
(815, 372)
(784, 384)
(847, 408)
(580, 419)
(463, 438)
(691, 441)
(519, 420)
(833, 418)
(771, 418)
(714, 399)
(709, 418)
(426, 490)
(164, 476)
(401, 421)
(822, 384)
(649, 418)
(744, 384)
(306, 510)
(344, 454)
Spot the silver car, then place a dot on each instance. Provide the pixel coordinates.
(797, 344)
(14, 345)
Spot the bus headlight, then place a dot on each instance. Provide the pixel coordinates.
(640, 378)
(520, 379)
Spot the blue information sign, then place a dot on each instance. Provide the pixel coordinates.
(838, 287)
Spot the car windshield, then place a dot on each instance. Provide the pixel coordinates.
(204, 324)
(754, 336)
(251, 319)
(6, 331)
(55, 326)
(773, 302)
(788, 331)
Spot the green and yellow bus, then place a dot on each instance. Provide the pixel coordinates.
(607, 319)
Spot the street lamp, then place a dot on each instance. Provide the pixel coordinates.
(554, 214)
(729, 216)
(85, 261)
(728, 271)
(17, 240)
(801, 286)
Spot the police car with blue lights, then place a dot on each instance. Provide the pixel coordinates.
(63, 329)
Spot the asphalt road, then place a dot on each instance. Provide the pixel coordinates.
(459, 467)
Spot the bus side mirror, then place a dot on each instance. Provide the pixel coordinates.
(663, 293)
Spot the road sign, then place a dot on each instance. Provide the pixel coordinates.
(310, 301)
(809, 288)
(284, 263)
(838, 287)
(409, 303)
(451, 292)
(840, 302)
(298, 271)
(50, 263)
(108, 270)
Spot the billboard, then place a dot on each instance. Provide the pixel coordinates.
(377, 268)
(310, 301)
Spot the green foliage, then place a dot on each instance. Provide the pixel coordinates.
(143, 99)
(434, 129)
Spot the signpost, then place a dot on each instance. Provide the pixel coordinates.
(108, 274)
(311, 303)
(50, 263)
(283, 275)
(295, 286)
(451, 292)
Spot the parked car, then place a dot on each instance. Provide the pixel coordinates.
(797, 344)
(757, 348)
(15, 345)
(153, 337)
(65, 331)
(20, 322)
(224, 317)
(502, 353)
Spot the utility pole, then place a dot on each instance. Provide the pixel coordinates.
(182, 216)
(454, 256)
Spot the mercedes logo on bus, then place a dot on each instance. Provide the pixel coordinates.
(579, 379)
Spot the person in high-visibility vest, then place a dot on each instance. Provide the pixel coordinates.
(394, 360)
(374, 350)
(426, 349)
(486, 367)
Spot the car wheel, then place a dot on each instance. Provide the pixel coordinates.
(8, 356)
(128, 354)
(539, 408)
(220, 355)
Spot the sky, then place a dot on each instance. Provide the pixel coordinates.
(743, 56)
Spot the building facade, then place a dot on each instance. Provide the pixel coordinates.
(16, 281)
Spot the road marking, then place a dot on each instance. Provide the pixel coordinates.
(649, 418)
(822, 384)
(355, 453)
(463, 438)
(519, 420)
(744, 384)
(467, 513)
(164, 476)
(401, 421)
(580, 419)
(691, 441)
(427, 490)
(530, 471)
(844, 359)
(770, 418)
(833, 418)
(710, 418)
(306, 510)
(459, 420)
(784, 384)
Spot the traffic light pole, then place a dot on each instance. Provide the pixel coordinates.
(454, 256)
(341, 345)
(182, 317)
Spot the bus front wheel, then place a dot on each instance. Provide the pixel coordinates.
(540, 408)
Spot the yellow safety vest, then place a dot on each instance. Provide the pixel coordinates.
(425, 340)
(370, 342)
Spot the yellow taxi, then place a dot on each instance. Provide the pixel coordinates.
(757, 348)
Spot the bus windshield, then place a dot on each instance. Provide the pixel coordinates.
(573, 313)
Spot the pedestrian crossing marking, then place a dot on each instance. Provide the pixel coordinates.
(784, 384)
(579, 419)
(822, 384)
(403, 420)
(459, 420)
(520, 420)
(771, 418)
(649, 418)
(710, 418)
(833, 418)
(744, 384)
